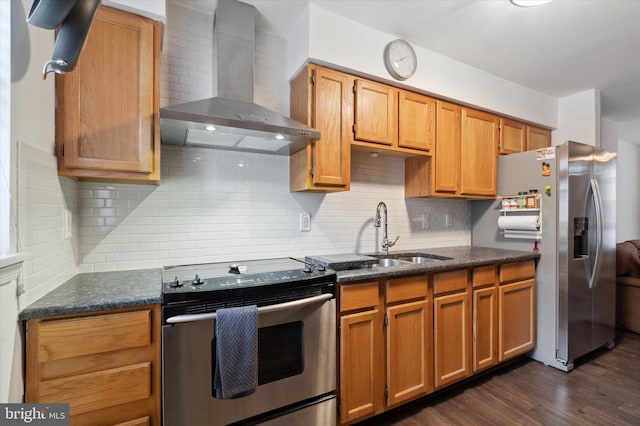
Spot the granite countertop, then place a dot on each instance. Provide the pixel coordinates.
(462, 257)
(98, 291)
(92, 292)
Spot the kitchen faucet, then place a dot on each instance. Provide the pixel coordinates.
(385, 239)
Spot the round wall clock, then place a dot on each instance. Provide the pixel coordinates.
(400, 59)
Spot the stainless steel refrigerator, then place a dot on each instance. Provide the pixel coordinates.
(576, 238)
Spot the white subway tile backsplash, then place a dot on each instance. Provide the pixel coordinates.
(252, 214)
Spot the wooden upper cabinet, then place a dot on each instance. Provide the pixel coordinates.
(322, 99)
(478, 148)
(376, 113)
(513, 137)
(538, 138)
(106, 115)
(417, 121)
(446, 162)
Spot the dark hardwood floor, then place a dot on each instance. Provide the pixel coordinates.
(603, 389)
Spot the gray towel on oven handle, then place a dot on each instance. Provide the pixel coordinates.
(236, 369)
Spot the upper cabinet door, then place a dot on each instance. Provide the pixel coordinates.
(446, 161)
(376, 113)
(538, 138)
(417, 121)
(107, 107)
(512, 136)
(323, 99)
(478, 149)
(331, 107)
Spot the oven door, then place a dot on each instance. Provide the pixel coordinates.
(296, 363)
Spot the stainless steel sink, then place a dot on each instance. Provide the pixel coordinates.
(411, 257)
(417, 259)
(386, 262)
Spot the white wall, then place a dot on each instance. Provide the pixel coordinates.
(333, 39)
(579, 118)
(42, 196)
(39, 195)
(628, 195)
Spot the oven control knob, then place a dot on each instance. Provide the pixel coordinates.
(175, 283)
(197, 280)
(307, 269)
(321, 268)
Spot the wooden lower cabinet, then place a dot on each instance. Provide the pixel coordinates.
(517, 310)
(383, 320)
(402, 338)
(451, 338)
(408, 334)
(106, 365)
(485, 317)
(358, 351)
(485, 328)
(517, 318)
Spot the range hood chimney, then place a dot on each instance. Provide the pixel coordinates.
(232, 120)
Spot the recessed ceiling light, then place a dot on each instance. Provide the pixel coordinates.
(529, 3)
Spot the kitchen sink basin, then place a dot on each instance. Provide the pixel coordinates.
(387, 261)
(411, 257)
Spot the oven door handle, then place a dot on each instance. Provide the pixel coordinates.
(179, 319)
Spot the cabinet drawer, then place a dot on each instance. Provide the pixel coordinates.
(517, 271)
(484, 275)
(447, 282)
(406, 288)
(143, 421)
(67, 338)
(359, 296)
(102, 389)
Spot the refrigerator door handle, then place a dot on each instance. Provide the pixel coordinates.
(597, 201)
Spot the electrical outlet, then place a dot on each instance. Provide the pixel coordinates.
(305, 222)
(426, 221)
(448, 220)
(67, 224)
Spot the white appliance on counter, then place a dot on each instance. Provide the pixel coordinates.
(575, 274)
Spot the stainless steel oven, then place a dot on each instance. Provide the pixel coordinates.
(296, 351)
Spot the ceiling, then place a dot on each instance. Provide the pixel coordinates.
(560, 48)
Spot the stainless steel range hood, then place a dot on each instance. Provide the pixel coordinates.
(232, 121)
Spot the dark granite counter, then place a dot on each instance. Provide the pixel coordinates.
(91, 292)
(461, 257)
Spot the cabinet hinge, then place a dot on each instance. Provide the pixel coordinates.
(62, 150)
(312, 79)
(353, 128)
(386, 392)
(339, 330)
(354, 88)
(312, 171)
(386, 320)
